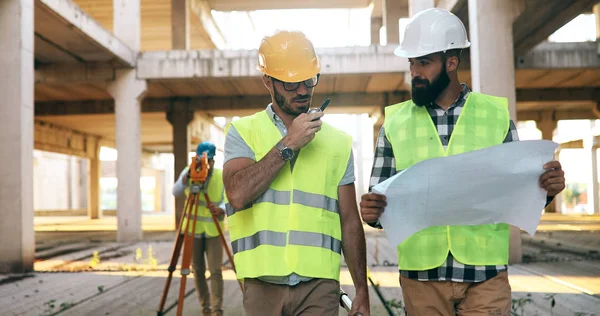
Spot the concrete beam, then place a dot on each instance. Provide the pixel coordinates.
(211, 104)
(251, 5)
(84, 25)
(558, 95)
(242, 63)
(59, 139)
(74, 73)
(570, 114)
(340, 102)
(561, 55)
(542, 18)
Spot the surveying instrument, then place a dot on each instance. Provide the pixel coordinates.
(198, 174)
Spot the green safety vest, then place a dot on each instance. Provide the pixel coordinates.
(294, 226)
(204, 220)
(483, 122)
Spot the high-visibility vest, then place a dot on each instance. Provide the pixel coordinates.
(294, 226)
(483, 122)
(204, 221)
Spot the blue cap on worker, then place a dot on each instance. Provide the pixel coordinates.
(207, 147)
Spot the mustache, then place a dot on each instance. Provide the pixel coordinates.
(301, 98)
(420, 81)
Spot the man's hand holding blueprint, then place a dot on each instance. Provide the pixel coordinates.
(507, 183)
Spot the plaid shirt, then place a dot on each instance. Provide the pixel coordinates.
(384, 167)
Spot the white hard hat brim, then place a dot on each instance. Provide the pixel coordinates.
(413, 54)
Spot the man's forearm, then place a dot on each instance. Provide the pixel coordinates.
(249, 183)
(354, 247)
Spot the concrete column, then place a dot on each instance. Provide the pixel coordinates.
(128, 92)
(127, 22)
(492, 64)
(180, 19)
(547, 124)
(414, 6)
(392, 11)
(158, 186)
(376, 24)
(179, 115)
(94, 183)
(492, 54)
(596, 10)
(593, 187)
(17, 249)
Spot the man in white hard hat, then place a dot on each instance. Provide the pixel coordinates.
(446, 270)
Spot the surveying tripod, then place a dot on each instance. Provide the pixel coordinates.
(198, 173)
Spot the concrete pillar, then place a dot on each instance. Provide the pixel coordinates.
(414, 6)
(94, 183)
(376, 24)
(17, 249)
(158, 186)
(180, 19)
(128, 92)
(593, 187)
(127, 22)
(392, 10)
(492, 64)
(179, 115)
(492, 54)
(547, 123)
(596, 10)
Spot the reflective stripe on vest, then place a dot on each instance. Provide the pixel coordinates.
(204, 222)
(294, 226)
(267, 237)
(283, 198)
(484, 121)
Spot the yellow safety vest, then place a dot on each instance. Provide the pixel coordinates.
(204, 221)
(483, 122)
(294, 226)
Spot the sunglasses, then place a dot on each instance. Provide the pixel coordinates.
(293, 86)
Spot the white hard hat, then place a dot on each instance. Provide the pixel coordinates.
(431, 31)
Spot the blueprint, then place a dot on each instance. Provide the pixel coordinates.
(494, 185)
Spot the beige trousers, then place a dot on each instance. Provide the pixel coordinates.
(318, 297)
(490, 298)
(210, 301)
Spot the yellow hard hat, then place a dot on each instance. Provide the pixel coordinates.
(288, 56)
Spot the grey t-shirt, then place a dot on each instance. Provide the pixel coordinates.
(236, 147)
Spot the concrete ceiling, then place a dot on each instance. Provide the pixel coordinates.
(224, 83)
(250, 5)
(64, 34)
(155, 23)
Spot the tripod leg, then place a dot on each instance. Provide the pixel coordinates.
(188, 244)
(174, 257)
(223, 241)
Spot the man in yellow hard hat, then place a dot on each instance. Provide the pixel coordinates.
(206, 239)
(446, 270)
(290, 189)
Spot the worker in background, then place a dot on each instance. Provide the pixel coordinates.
(206, 237)
(460, 269)
(289, 184)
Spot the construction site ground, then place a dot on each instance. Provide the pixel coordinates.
(81, 270)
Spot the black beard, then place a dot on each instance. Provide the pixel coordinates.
(286, 107)
(428, 94)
